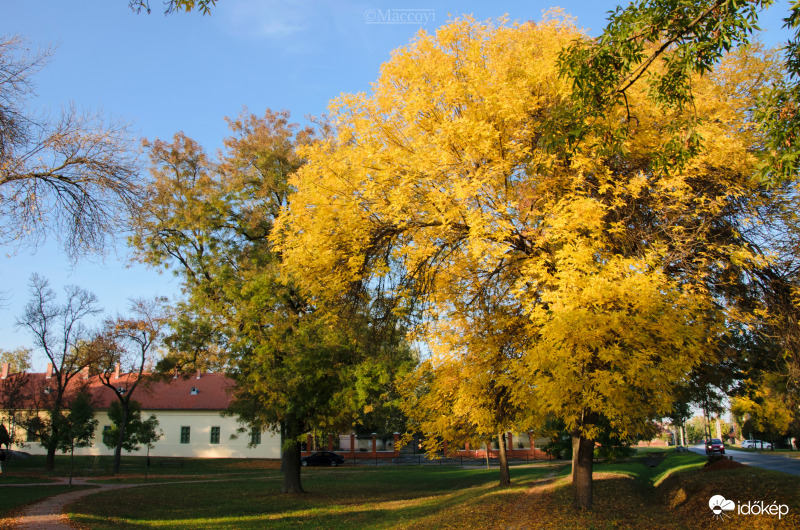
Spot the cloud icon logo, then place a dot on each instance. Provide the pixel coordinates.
(719, 505)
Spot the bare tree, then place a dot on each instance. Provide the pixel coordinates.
(59, 331)
(124, 354)
(74, 177)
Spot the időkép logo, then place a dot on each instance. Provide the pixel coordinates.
(724, 508)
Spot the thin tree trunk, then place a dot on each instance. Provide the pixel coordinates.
(290, 456)
(120, 439)
(52, 445)
(71, 462)
(582, 471)
(505, 475)
(576, 449)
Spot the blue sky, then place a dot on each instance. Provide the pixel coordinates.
(187, 72)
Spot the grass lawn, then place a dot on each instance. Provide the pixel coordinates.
(12, 498)
(24, 479)
(101, 466)
(788, 453)
(337, 498)
(657, 490)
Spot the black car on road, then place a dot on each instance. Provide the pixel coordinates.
(322, 458)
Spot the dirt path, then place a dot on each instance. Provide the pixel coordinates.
(49, 513)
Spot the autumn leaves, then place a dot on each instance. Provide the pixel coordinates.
(552, 277)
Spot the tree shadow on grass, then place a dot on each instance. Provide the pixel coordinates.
(338, 500)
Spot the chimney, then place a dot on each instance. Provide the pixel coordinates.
(49, 373)
(86, 372)
(116, 371)
(198, 374)
(5, 371)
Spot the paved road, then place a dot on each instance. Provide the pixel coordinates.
(765, 461)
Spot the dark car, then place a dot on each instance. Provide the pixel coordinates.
(322, 458)
(715, 445)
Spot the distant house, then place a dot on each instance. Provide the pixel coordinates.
(188, 411)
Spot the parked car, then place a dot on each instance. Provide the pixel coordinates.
(755, 444)
(715, 445)
(322, 458)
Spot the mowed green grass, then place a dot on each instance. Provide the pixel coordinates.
(335, 498)
(101, 466)
(632, 494)
(13, 498)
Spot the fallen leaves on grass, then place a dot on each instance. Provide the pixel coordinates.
(256, 464)
(719, 465)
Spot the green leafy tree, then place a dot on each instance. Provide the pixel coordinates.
(78, 427)
(130, 427)
(294, 368)
(665, 43)
(376, 396)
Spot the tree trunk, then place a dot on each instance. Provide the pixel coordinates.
(51, 458)
(576, 449)
(290, 456)
(71, 462)
(582, 471)
(505, 475)
(120, 439)
(55, 435)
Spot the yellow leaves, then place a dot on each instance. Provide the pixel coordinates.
(543, 272)
(610, 331)
(766, 409)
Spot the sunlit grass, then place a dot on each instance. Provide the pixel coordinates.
(340, 498)
(672, 462)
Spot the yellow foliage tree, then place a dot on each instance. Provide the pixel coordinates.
(450, 190)
(467, 391)
(767, 411)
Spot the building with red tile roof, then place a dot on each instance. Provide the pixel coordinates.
(188, 410)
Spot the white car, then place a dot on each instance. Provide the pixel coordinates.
(755, 444)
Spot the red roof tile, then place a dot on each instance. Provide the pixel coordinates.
(212, 391)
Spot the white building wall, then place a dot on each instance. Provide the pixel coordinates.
(199, 446)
